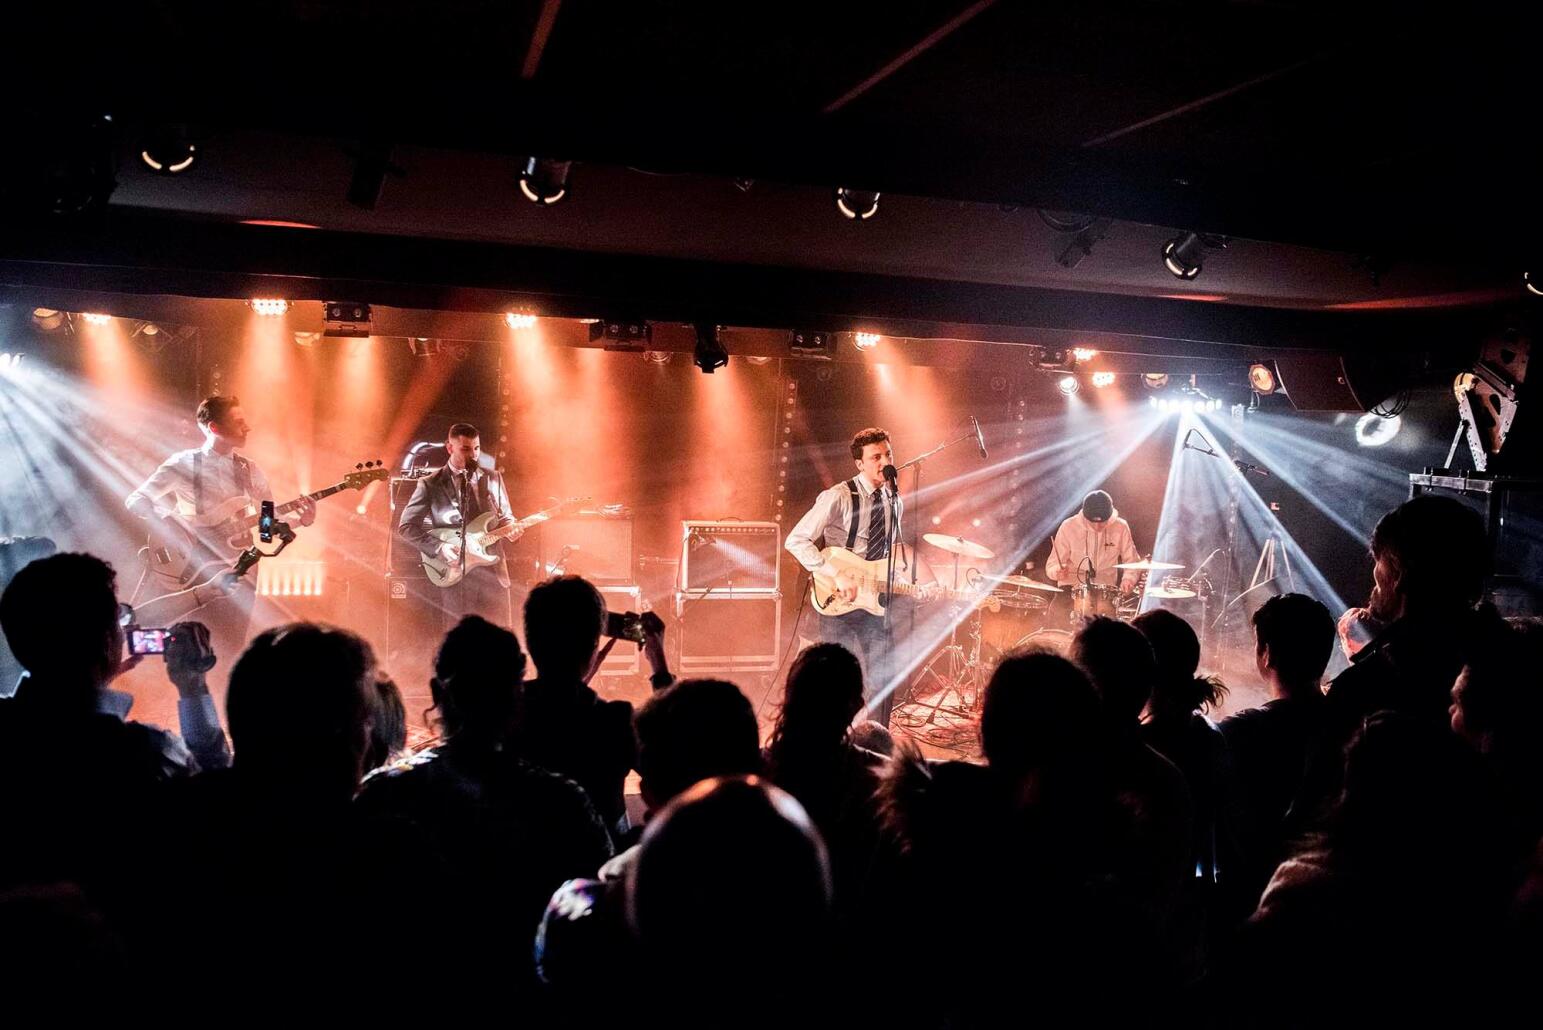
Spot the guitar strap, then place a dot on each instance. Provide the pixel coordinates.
(244, 476)
(857, 514)
(198, 482)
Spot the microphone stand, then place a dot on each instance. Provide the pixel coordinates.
(461, 479)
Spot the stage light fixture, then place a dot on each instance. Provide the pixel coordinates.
(519, 320)
(1261, 378)
(422, 346)
(1184, 255)
(10, 363)
(1154, 380)
(167, 150)
(47, 319)
(658, 357)
(1069, 385)
(1533, 283)
(709, 354)
(1372, 430)
(858, 205)
(803, 343)
(347, 319)
(544, 181)
(867, 341)
(93, 318)
(149, 329)
(307, 339)
(271, 306)
(622, 334)
(1152, 402)
(1103, 379)
(1084, 353)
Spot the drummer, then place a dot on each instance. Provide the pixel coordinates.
(1090, 544)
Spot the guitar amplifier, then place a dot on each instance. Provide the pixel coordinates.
(728, 632)
(402, 558)
(598, 548)
(728, 554)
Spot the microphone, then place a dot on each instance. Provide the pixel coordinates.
(980, 439)
(1245, 468)
(890, 474)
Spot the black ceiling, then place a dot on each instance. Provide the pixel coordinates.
(1329, 142)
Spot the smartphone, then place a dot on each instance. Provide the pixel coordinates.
(624, 626)
(148, 641)
(265, 523)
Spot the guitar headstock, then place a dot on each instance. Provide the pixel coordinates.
(365, 474)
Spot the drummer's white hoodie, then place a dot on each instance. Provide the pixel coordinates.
(1107, 543)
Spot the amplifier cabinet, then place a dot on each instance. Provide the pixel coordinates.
(726, 554)
(728, 632)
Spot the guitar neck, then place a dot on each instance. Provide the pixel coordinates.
(289, 506)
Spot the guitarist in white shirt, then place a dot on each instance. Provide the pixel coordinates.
(436, 503)
(199, 480)
(855, 514)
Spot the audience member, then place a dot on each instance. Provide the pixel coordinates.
(77, 768)
(1293, 641)
(388, 725)
(564, 725)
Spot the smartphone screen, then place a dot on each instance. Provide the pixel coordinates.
(148, 641)
(265, 523)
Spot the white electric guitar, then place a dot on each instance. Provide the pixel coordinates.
(869, 577)
(480, 539)
(219, 533)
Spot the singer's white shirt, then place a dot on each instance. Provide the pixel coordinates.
(828, 520)
(1080, 543)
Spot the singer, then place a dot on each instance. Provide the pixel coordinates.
(1090, 544)
(447, 499)
(861, 514)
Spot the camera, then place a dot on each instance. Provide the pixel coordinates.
(148, 641)
(265, 523)
(625, 626)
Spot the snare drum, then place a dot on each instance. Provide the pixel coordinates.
(1092, 600)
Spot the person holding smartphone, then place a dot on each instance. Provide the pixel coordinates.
(76, 764)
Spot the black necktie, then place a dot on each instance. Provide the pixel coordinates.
(877, 537)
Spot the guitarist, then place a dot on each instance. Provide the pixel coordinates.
(436, 503)
(856, 515)
(195, 481)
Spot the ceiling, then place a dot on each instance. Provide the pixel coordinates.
(1369, 169)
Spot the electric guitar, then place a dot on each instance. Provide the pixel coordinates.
(870, 576)
(219, 533)
(479, 540)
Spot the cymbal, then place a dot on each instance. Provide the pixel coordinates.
(1026, 583)
(959, 545)
(1169, 592)
(1149, 566)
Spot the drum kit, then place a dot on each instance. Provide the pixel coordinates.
(1011, 612)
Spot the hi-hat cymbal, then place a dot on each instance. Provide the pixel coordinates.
(1149, 566)
(1026, 583)
(959, 545)
(1169, 592)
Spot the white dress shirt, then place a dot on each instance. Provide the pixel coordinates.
(826, 523)
(174, 478)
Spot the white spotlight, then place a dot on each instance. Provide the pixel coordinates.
(1373, 430)
(1083, 353)
(1069, 385)
(519, 320)
(93, 318)
(867, 341)
(1103, 379)
(271, 306)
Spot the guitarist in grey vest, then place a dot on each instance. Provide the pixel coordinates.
(192, 483)
(856, 514)
(449, 498)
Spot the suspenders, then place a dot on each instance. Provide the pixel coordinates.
(243, 479)
(857, 514)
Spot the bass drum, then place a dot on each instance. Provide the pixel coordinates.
(1056, 641)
